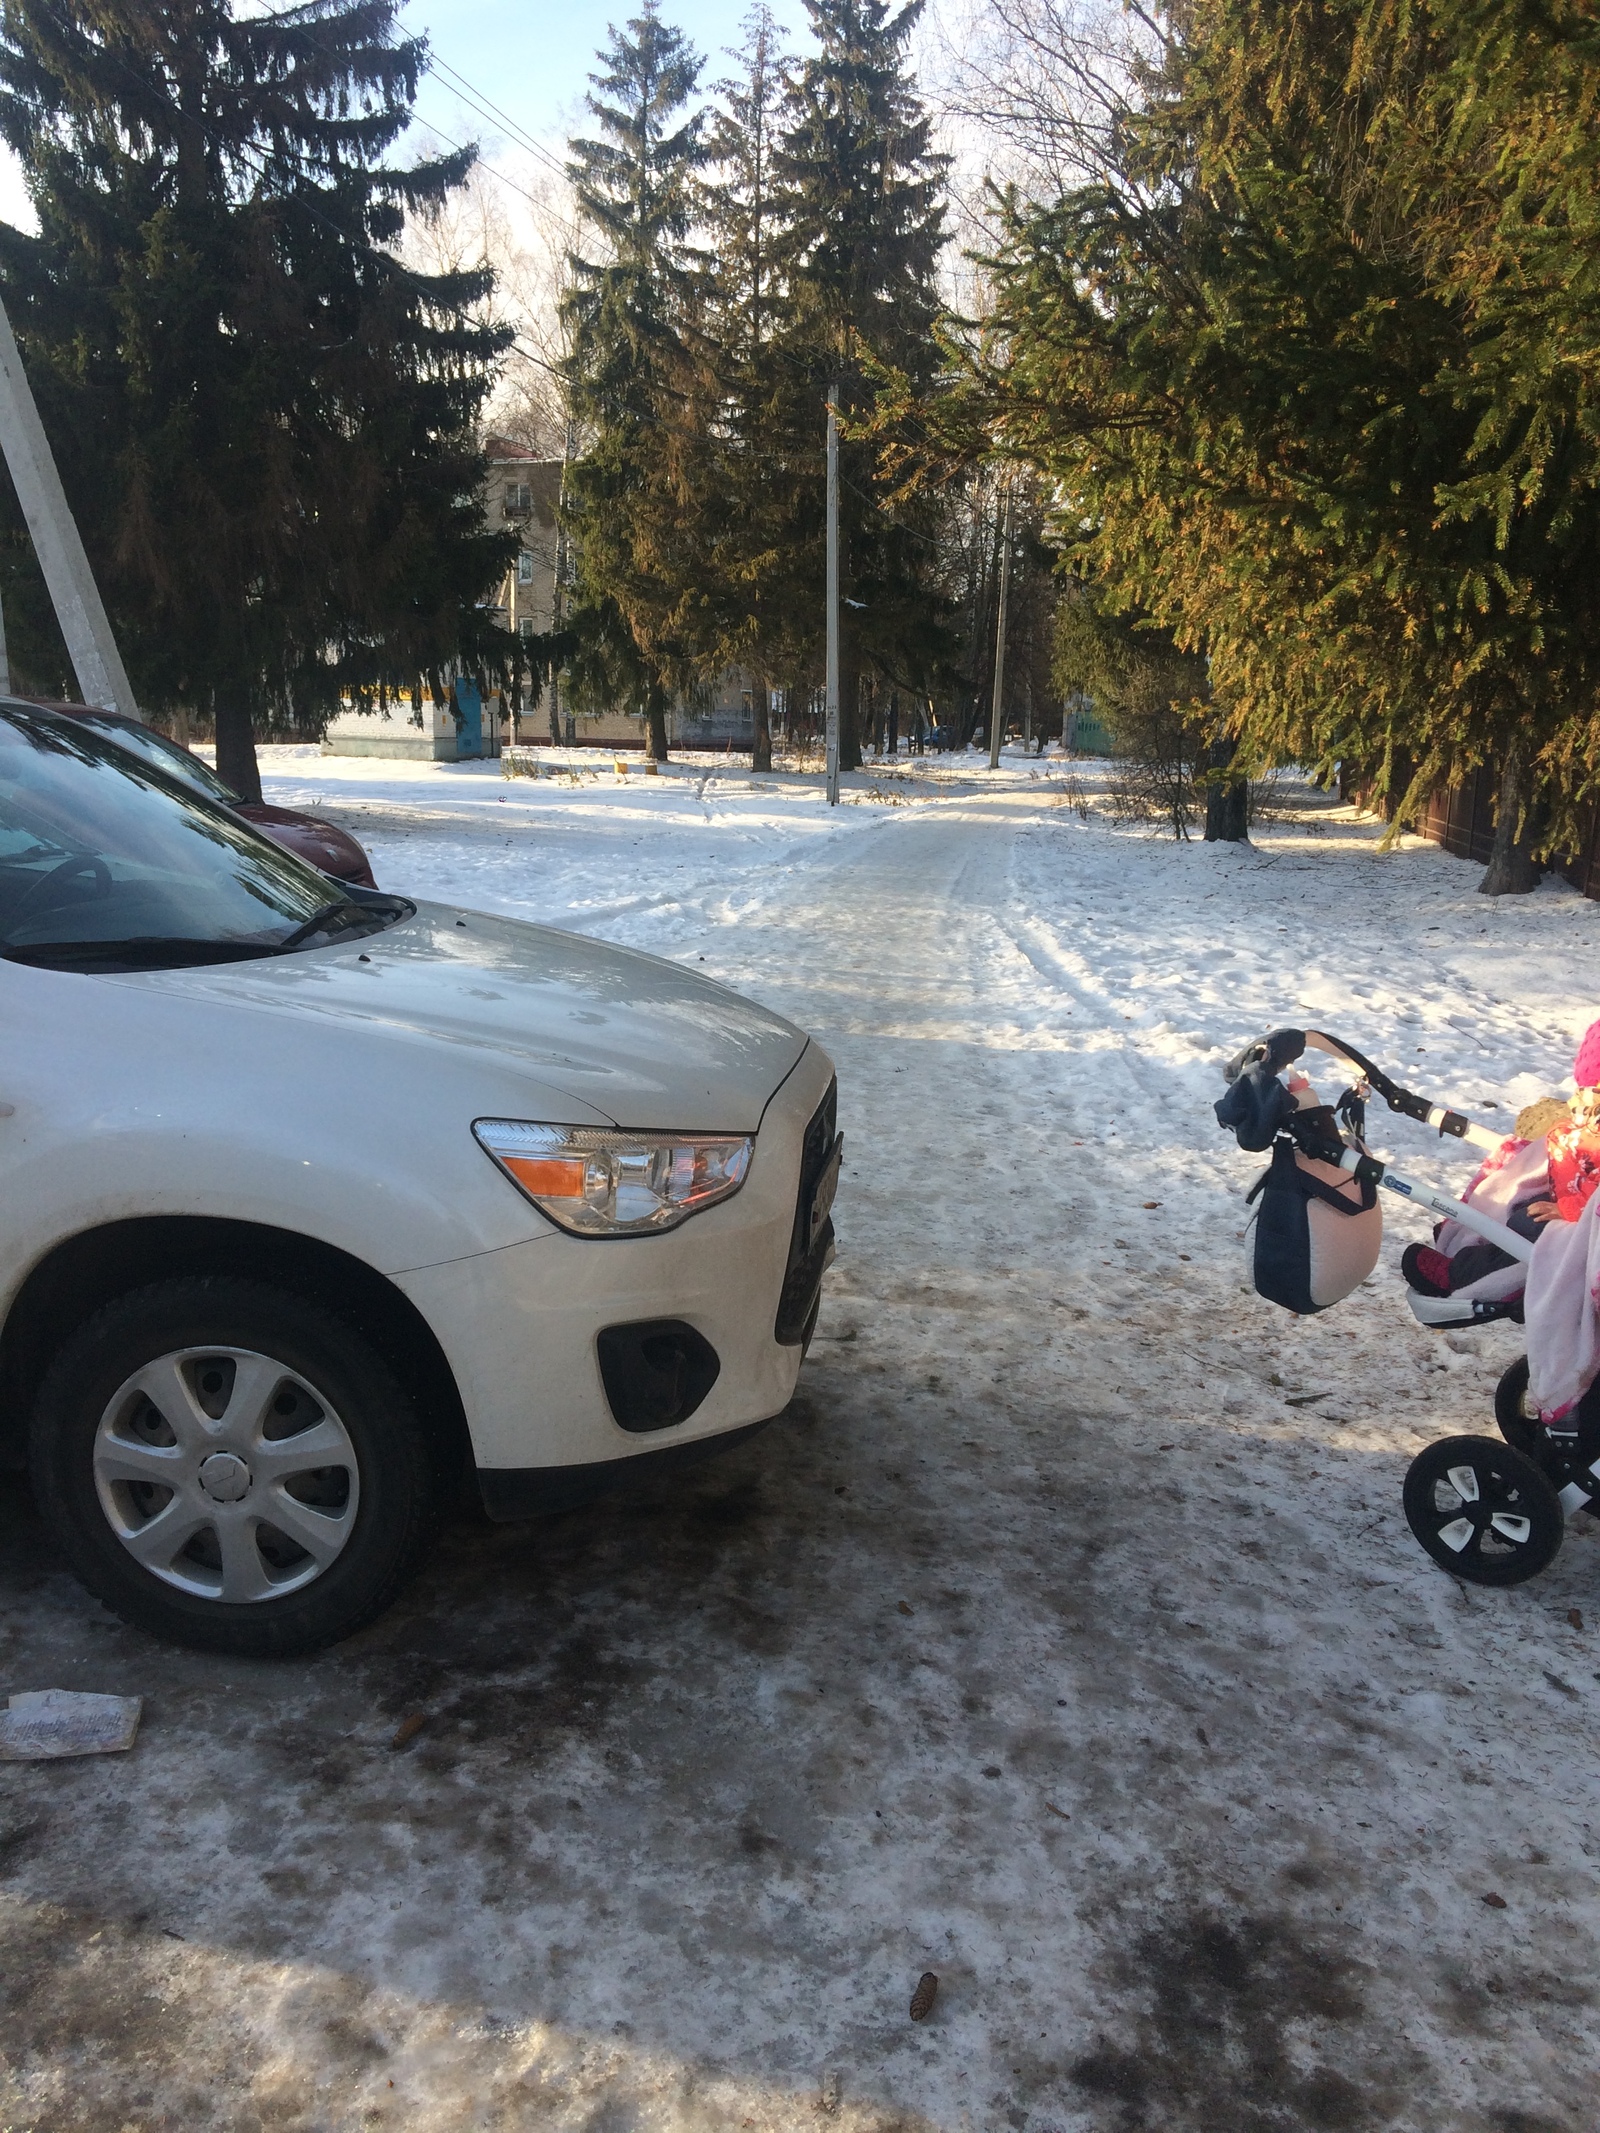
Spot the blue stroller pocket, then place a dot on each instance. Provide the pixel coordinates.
(1318, 1231)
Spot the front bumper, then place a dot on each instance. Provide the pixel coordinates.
(519, 1326)
(536, 1491)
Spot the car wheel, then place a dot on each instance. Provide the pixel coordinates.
(231, 1466)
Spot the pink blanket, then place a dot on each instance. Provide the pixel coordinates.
(1517, 1171)
(1563, 1313)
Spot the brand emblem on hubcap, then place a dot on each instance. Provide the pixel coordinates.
(224, 1477)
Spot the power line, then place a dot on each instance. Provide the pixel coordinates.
(482, 163)
(247, 153)
(262, 170)
(489, 109)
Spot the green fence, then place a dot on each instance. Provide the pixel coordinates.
(1087, 736)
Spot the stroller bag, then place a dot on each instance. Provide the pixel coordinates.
(1318, 1231)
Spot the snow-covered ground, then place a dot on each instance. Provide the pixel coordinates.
(1066, 1639)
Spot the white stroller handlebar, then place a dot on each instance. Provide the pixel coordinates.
(1437, 1203)
(1454, 1123)
(1300, 1261)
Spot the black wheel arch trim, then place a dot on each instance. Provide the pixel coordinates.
(83, 1272)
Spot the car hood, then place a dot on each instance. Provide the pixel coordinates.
(328, 847)
(640, 1041)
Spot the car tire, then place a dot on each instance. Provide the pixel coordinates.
(219, 1406)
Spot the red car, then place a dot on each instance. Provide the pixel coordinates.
(321, 844)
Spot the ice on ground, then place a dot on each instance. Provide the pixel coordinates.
(1066, 1640)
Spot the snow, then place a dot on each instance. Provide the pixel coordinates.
(1066, 1639)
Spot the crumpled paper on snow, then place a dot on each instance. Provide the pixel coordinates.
(44, 1723)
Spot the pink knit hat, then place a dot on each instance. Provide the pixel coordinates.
(1586, 1067)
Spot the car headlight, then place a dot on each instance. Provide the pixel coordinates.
(597, 1183)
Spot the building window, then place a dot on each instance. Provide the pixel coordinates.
(525, 626)
(525, 568)
(519, 499)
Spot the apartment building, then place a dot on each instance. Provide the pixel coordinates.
(522, 494)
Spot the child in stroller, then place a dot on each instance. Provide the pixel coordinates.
(1493, 1513)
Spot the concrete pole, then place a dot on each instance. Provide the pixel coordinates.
(1000, 637)
(833, 598)
(558, 586)
(79, 608)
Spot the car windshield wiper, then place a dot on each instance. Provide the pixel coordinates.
(369, 911)
(319, 922)
(150, 951)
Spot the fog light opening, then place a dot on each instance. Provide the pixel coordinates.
(656, 1372)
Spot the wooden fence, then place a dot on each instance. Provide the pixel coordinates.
(1462, 820)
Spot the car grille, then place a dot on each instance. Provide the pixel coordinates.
(808, 1256)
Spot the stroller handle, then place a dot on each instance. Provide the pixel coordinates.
(1309, 1137)
(1284, 1045)
(1440, 1203)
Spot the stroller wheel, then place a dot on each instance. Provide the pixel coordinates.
(1511, 1414)
(1566, 1457)
(1483, 1510)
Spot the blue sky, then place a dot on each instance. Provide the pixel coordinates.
(534, 60)
(531, 59)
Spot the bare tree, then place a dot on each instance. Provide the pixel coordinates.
(518, 218)
(1035, 89)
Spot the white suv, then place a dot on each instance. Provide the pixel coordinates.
(311, 1195)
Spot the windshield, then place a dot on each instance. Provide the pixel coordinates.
(165, 755)
(107, 865)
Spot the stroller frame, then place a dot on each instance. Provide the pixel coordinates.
(1434, 1312)
(1489, 1511)
(1312, 1141)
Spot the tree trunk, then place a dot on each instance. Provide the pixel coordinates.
(849, 678)
(1512, 869)
(1227, 798)
(656, 726)
(894, 722)
(849, 703)
(761, 710)
(236, 743)
(989, 640)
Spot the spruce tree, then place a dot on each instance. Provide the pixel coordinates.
(863, 214)
(631, 370)
(1313, 373)
(749, 562)
(265, 423)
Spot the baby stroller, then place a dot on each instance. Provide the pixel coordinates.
(1490, 1512)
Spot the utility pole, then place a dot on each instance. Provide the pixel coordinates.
(833, 597)
(79, 608)
(559, 584)
(1000, 637)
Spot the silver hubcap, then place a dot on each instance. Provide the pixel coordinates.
(226, 1474)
